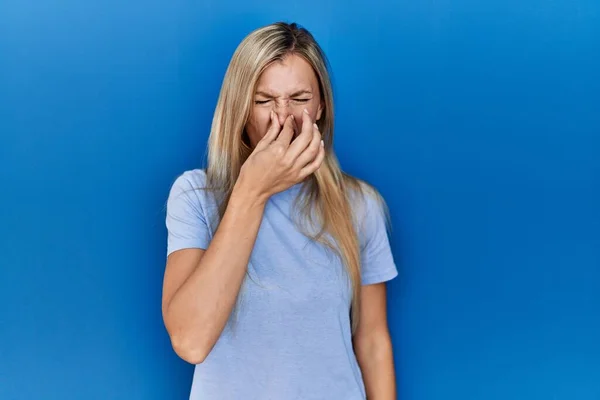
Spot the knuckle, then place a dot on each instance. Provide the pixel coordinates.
(278, 150)
(287, 162)
(282, 161)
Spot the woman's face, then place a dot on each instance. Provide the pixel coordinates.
(285, 87)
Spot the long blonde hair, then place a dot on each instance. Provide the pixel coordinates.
(325, 202)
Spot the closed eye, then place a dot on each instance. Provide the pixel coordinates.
(266, 101)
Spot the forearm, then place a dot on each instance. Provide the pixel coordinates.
(375, 357)
(200, 308)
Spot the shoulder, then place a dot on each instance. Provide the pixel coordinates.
(190, 179)
(189, 191)
(365, 199)
(370, 211)
(373, 226)
(190, 184)
(188, 212)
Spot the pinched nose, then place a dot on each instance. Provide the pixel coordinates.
(282, 113)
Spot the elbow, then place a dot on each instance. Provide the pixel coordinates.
(190, 343)
(189, 350)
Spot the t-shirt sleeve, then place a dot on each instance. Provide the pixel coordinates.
(185, 221)
(376, 254)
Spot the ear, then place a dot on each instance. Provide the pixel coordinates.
(320, 110)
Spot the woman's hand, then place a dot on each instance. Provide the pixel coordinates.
(278, 162)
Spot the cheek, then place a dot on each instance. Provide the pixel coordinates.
(258, 123)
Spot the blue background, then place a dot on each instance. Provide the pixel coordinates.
(479, 121)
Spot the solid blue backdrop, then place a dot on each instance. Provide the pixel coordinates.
(479, 121)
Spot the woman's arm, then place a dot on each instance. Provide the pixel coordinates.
(201, 286)
(373, 346)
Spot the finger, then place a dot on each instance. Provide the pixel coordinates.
(311, 151)
(272, 132)
(285, 136)
(304, 138)
(313, 166)
(295, 128)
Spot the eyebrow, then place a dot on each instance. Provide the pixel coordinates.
(296, 93)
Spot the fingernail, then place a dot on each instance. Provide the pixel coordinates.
(316, 126)
(305, 111)
(322, 144)
(292, 117)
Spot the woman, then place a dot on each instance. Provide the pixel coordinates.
(277, 260)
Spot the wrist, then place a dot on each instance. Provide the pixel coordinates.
(245, 192)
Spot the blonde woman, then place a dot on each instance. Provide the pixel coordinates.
(277, 260)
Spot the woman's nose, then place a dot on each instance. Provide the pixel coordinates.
(283, 111)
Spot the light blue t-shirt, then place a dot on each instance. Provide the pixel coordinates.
(289, 336)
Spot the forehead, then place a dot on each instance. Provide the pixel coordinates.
(290, 74)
